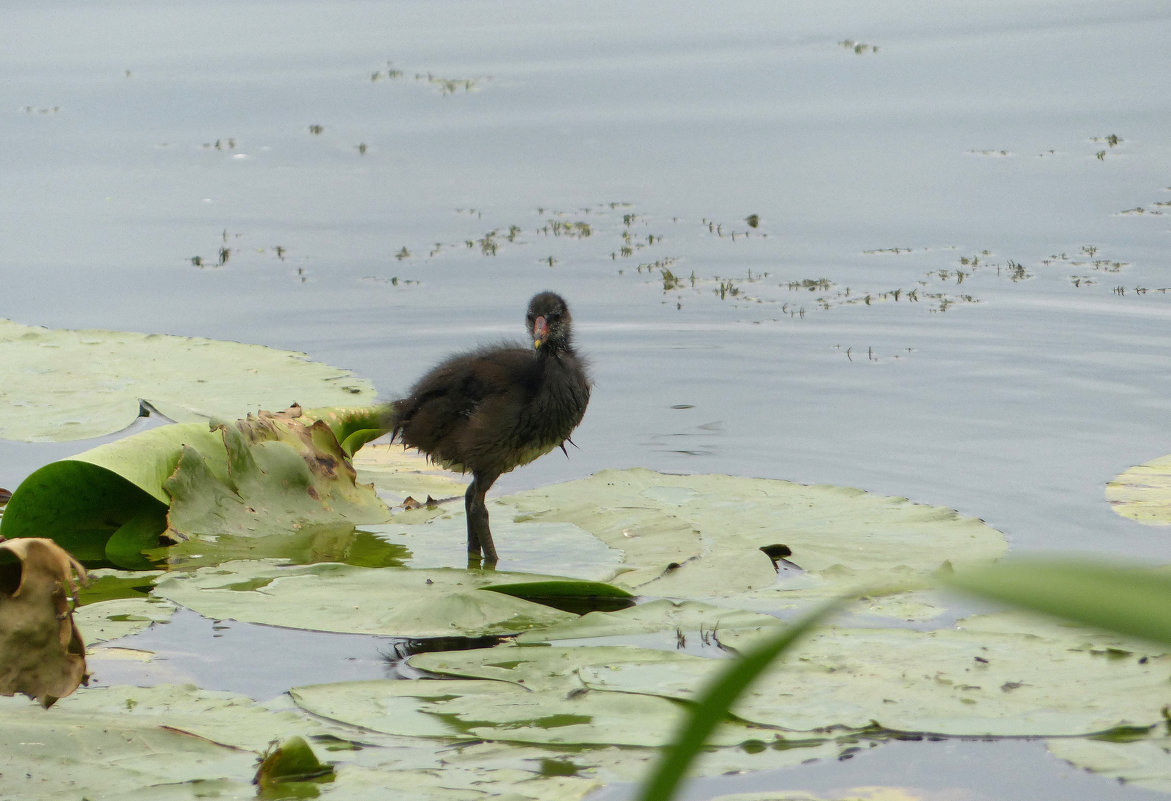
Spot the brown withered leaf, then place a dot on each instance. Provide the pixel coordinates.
(41, 651)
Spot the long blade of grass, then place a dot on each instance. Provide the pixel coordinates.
(1126, 599)
(714, 702)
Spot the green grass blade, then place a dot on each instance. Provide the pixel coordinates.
(714, 702)
(1122, 598)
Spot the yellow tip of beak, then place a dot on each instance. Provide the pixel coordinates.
(537, 343)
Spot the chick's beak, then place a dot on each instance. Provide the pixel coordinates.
(540, 331)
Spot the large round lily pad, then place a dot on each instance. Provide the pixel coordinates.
(700, 537)
(65, 385)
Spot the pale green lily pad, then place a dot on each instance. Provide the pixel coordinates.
(1143, 763)
(699, 537)
(613, 764)
(449, 767)
(854, 794)
(942, 682)
(104, 742)
(438, 538)
(120, 617)
(504, 712)
(180, 743)
(77, 755)
(543, 667)
(442, 784)
(345, 598)
(1143, 492)
(844, 535)
(661, 620)
(712, 527)
(66, 385)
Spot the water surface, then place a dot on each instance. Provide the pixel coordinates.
(883, 147)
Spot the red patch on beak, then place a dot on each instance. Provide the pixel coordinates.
(540, 331)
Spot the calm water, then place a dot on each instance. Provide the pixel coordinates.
(882, 146)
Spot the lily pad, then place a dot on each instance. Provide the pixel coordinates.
(699, 537)
(544, 668)
(267, 474)
(282, 474)
(1143, 763)
(290, 763)
(77, 753)
(578, 597)
(345, 598)
(940, 682)
(1143, 493)
(502, 712)
(65, 385)
(121, 617)
(103, 741)
(663, 623)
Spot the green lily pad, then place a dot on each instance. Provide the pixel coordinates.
(288, 764)
(578, 597)
(65, 385)
(68, 755)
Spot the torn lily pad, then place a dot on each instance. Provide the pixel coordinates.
(269, 474)
(282, 474)
(65, 385)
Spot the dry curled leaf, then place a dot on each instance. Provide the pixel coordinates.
(41, 651)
